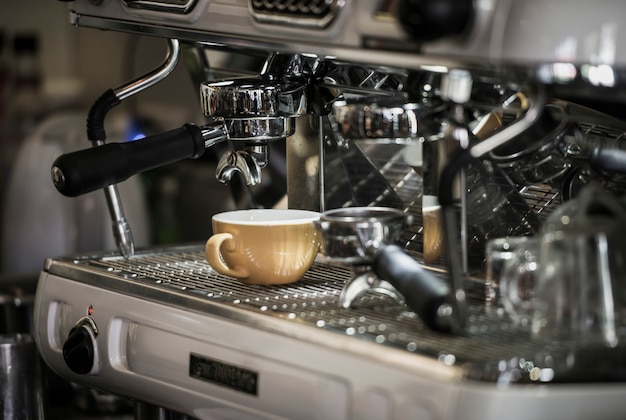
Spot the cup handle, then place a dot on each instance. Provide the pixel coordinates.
(215, 259)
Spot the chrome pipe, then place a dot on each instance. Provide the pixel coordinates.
(153, 77)
(121, 228)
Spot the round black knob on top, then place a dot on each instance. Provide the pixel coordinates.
(79, 349)
(429, 20)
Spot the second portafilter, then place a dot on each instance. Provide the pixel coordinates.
(368, 238)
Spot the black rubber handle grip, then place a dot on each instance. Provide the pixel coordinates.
(608, 159)
(87, 170)
(423, 292)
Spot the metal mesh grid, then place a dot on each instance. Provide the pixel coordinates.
(313, 302)
(601, 130)
(542, 199)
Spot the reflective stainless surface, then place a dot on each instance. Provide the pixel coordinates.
(252, 98)
(373, 118)
(256, 110)
(261, 129)
(304, 163)
(533, 156)
(22, 393)
(496, 36)
(352, 235)
(238, 162)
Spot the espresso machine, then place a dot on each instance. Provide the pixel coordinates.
(476, 119)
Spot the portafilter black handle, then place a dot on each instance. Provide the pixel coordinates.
(87, 170)
(608, 159)
(423, 292)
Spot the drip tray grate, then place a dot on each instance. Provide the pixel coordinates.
(492, 347)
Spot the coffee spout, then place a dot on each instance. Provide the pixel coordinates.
(239, 161)
(255, 111)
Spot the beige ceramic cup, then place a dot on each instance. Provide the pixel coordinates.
(269, 246)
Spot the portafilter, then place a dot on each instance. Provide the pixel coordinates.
(369, 238)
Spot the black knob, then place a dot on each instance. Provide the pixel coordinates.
(78, 349)
(428, 20)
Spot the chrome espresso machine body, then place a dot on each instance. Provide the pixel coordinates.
(477, 119)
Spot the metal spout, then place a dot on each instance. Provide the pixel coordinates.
(239, 161)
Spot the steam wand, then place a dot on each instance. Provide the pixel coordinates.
(96, 133)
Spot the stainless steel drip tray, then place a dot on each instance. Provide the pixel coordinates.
(493, 349)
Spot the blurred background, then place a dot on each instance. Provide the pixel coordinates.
(50, 74)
